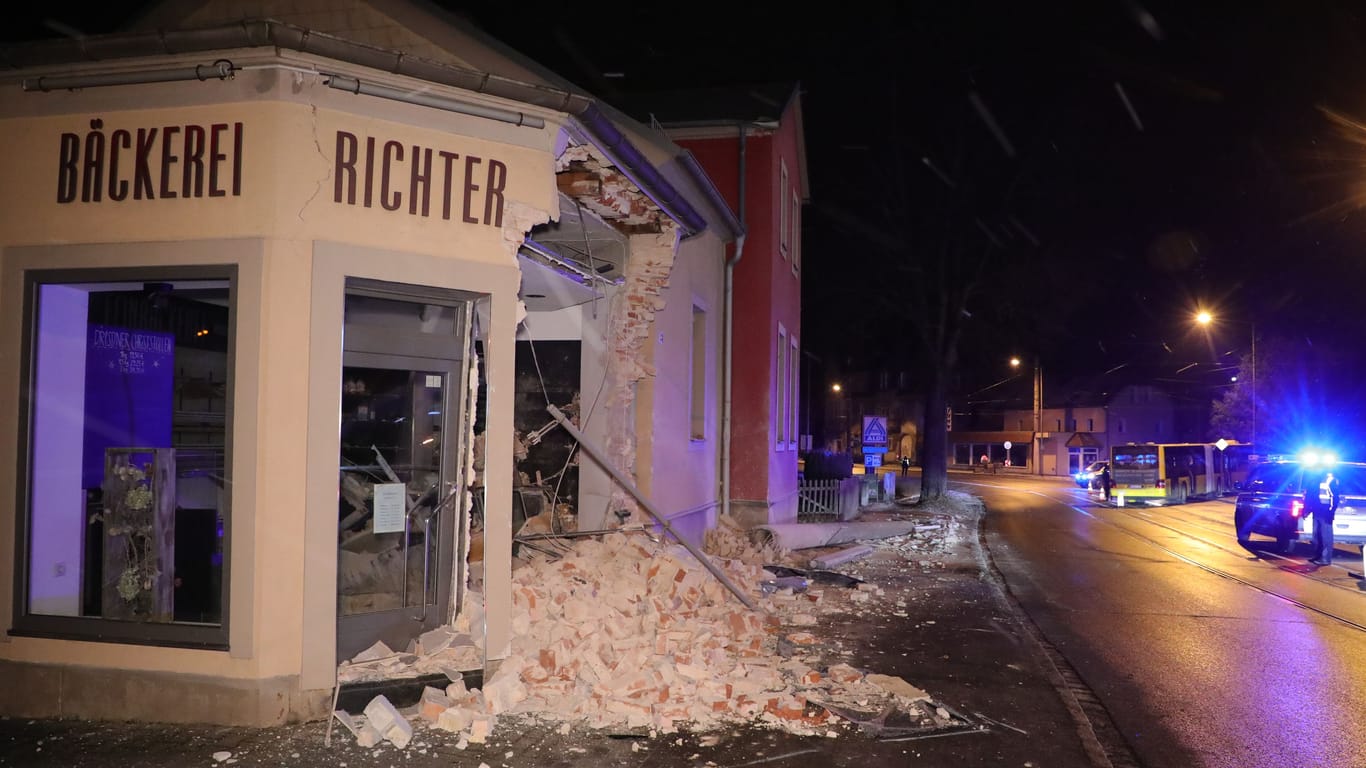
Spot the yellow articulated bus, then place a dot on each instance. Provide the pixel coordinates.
(1170, 473)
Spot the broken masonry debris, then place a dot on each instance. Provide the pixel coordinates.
(648, 506)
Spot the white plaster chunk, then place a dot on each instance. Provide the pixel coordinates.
(377, 651)
(898, 687)
(436, 640)
(381, 713)
(456, 719)
(399, 733)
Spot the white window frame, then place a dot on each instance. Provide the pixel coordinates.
(780, 391)
(793, 371)
(697, 381)
(783, 233)
(796, 241)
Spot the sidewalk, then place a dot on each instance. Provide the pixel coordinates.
(940, 622)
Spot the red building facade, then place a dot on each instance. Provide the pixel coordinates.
(757, 161)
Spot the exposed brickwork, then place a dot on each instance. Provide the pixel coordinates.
(653, 244)
(614, 197)
(629, 337)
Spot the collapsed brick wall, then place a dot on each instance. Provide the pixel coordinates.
(631, 321)
(653, 244)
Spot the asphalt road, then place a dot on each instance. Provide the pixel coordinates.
(1204, 653)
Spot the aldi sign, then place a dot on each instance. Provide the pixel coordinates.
(874, 430)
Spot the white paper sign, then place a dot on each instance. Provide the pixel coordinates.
(389, 507)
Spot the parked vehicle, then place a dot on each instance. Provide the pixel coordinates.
(1171, 473)
(1090, 477)
(1271, 503)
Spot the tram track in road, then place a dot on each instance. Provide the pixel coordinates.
(1106, 743)
(1205, 523)
(1223, 547)
(1134, 514)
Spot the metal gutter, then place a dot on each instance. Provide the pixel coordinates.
(708, 187)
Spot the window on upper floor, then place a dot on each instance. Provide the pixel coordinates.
(783, 213)
(796, 232)
(1090, 425)
(793, 367)
(780, 391)
(697, 393)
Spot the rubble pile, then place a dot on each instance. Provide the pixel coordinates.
(729, 540)
(626, 632)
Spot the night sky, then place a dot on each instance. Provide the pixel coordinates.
(1130, 161)
(1114, 163)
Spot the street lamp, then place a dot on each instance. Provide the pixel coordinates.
(844, 419)
(1205, 319)
(1035, 443)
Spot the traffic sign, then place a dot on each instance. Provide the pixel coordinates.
(875, 430)
(872, 460)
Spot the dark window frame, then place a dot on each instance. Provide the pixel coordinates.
(94, 629)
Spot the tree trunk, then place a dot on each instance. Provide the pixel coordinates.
(934, 459)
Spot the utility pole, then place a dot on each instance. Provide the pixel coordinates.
(1037, 442)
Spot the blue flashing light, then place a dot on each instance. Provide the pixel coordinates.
(1313, 458)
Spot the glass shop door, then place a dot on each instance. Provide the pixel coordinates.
(398, 497)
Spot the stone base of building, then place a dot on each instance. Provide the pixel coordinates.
(91, 693)
(750, 513)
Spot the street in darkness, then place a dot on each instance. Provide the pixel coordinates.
(1203, 652)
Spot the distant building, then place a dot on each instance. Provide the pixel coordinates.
(883, 392)
(1073, 436)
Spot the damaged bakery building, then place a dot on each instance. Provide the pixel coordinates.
(317, 314)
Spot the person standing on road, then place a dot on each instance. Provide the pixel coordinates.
(905, 465)
(1105, 483)
(1321, 501)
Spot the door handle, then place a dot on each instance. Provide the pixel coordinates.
(426, 565)
(427, 516)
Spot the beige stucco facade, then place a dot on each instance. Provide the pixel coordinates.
(268, 201)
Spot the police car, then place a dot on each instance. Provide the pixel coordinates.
(1090, 477)
(1271, 501)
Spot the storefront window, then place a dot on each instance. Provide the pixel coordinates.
(127, 481)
